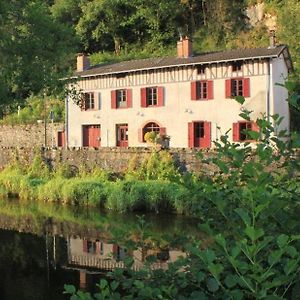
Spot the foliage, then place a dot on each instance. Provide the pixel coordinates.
(254, 196)
(34, 51)
(34, 110)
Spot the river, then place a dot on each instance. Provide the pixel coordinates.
(43, 247)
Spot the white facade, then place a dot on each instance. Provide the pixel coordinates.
(178, 109)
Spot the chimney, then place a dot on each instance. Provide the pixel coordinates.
(83, 62)
(272, 39)
(184, 48)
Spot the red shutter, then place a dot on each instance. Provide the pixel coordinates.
(85, 246)
(141, 136)
(143, 97)
(246, 87)
(228, 88)
(160, 96)
(162, 131)
(129, 97)
(235, 132)
(207, 135)
(194, 90)
(210, 90)
(113, 99)
(191, 135)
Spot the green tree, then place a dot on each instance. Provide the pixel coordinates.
(34, 52)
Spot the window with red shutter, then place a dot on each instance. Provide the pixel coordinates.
(202, 90)
(237, 87)
(240, 130)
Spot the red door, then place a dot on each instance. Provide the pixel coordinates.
(60, 139)
(200, 134)
(91, 136)
(122, 135)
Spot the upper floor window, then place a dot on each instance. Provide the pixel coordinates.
(237, 87)
(152, 96)
(241, 130)
(121, 98)
(88, 101)
(201, 69)
(237, 66)
(202, 90)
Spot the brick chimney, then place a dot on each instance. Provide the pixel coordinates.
(184, 47)
(83, 62)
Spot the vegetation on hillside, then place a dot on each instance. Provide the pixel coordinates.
(39, 38)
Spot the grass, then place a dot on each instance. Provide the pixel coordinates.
(139, 191)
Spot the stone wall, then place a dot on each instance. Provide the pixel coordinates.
(112, 159)
(28, 135)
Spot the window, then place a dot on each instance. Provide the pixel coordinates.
(237, 87)
(152, 127)
(237, 66)
(241, 131)
(201, 69)
(88, 102)
(121, 98)
(202, 90)
(199, 129)
(152, 96)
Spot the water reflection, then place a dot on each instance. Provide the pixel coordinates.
(42, 247)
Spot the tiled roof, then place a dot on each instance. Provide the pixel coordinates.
(165, 62)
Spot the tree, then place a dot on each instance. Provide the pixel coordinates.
(34, 52)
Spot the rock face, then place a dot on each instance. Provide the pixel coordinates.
(257, 15)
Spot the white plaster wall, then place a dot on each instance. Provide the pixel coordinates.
(279, 105)
(178, 109)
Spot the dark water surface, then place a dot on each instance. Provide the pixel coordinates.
(43, 247)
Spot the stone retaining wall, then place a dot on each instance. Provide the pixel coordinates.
(32, 135)
(113, 159)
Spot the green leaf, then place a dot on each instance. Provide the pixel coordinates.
(69, 289)
(290, 266)
(196, 295)
(215, 269)
(212, 285)
(240, 99)
(114, 285)
(253, 233)
(103, 284)
(282, 240)
(244, 216)
(237, 294)
(220, 240)
(235, 251)
(231, 281)
(200, 276)
(291, 251)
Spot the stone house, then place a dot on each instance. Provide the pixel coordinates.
(186, 98)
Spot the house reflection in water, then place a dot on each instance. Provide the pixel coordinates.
(93, 256)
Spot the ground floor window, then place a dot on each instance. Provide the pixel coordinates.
(241, 131)
(122, 135)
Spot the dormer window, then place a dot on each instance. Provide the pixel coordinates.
(237, 66)
(201, 69)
